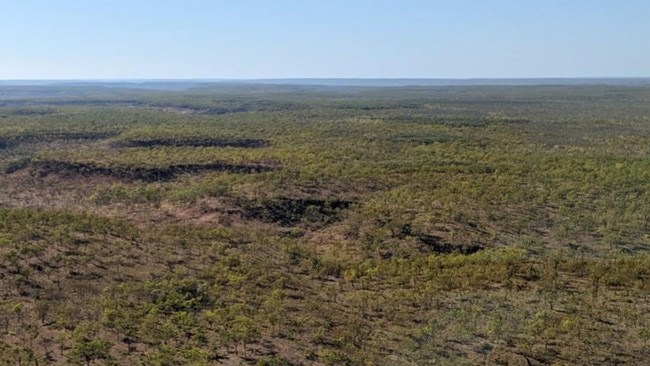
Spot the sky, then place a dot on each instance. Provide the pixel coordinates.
(252, 39)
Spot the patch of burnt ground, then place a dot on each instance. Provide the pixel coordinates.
(290, 211)
(147, 174)
(437, 245)
(12, 141)
(196, 142)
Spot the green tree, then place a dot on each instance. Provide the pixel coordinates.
(244, 329)
(88, 350)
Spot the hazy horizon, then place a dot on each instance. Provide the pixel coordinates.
(352, 82)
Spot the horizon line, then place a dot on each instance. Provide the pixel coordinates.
(322, 78)
(175, 83)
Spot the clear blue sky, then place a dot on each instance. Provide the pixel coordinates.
(118, 39)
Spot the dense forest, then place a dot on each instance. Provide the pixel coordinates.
(305, 225)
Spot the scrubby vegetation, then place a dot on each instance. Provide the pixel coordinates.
(276, 225)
